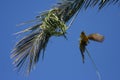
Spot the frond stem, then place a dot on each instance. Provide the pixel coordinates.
(73, 19)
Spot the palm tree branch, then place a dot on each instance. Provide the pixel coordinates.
(49, 23)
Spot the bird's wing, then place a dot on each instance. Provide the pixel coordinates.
(96, 37)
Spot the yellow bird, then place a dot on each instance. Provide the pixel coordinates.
(85, 40)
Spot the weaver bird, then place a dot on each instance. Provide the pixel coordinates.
(85, 40)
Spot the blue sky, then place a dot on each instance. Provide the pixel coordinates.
(62, 57)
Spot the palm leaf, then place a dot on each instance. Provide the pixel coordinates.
(27, 51)
(29, 48)
(49, 23)
(68, 8)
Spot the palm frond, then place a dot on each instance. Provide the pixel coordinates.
(49, 23)
(28, 49)
(67, 8)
